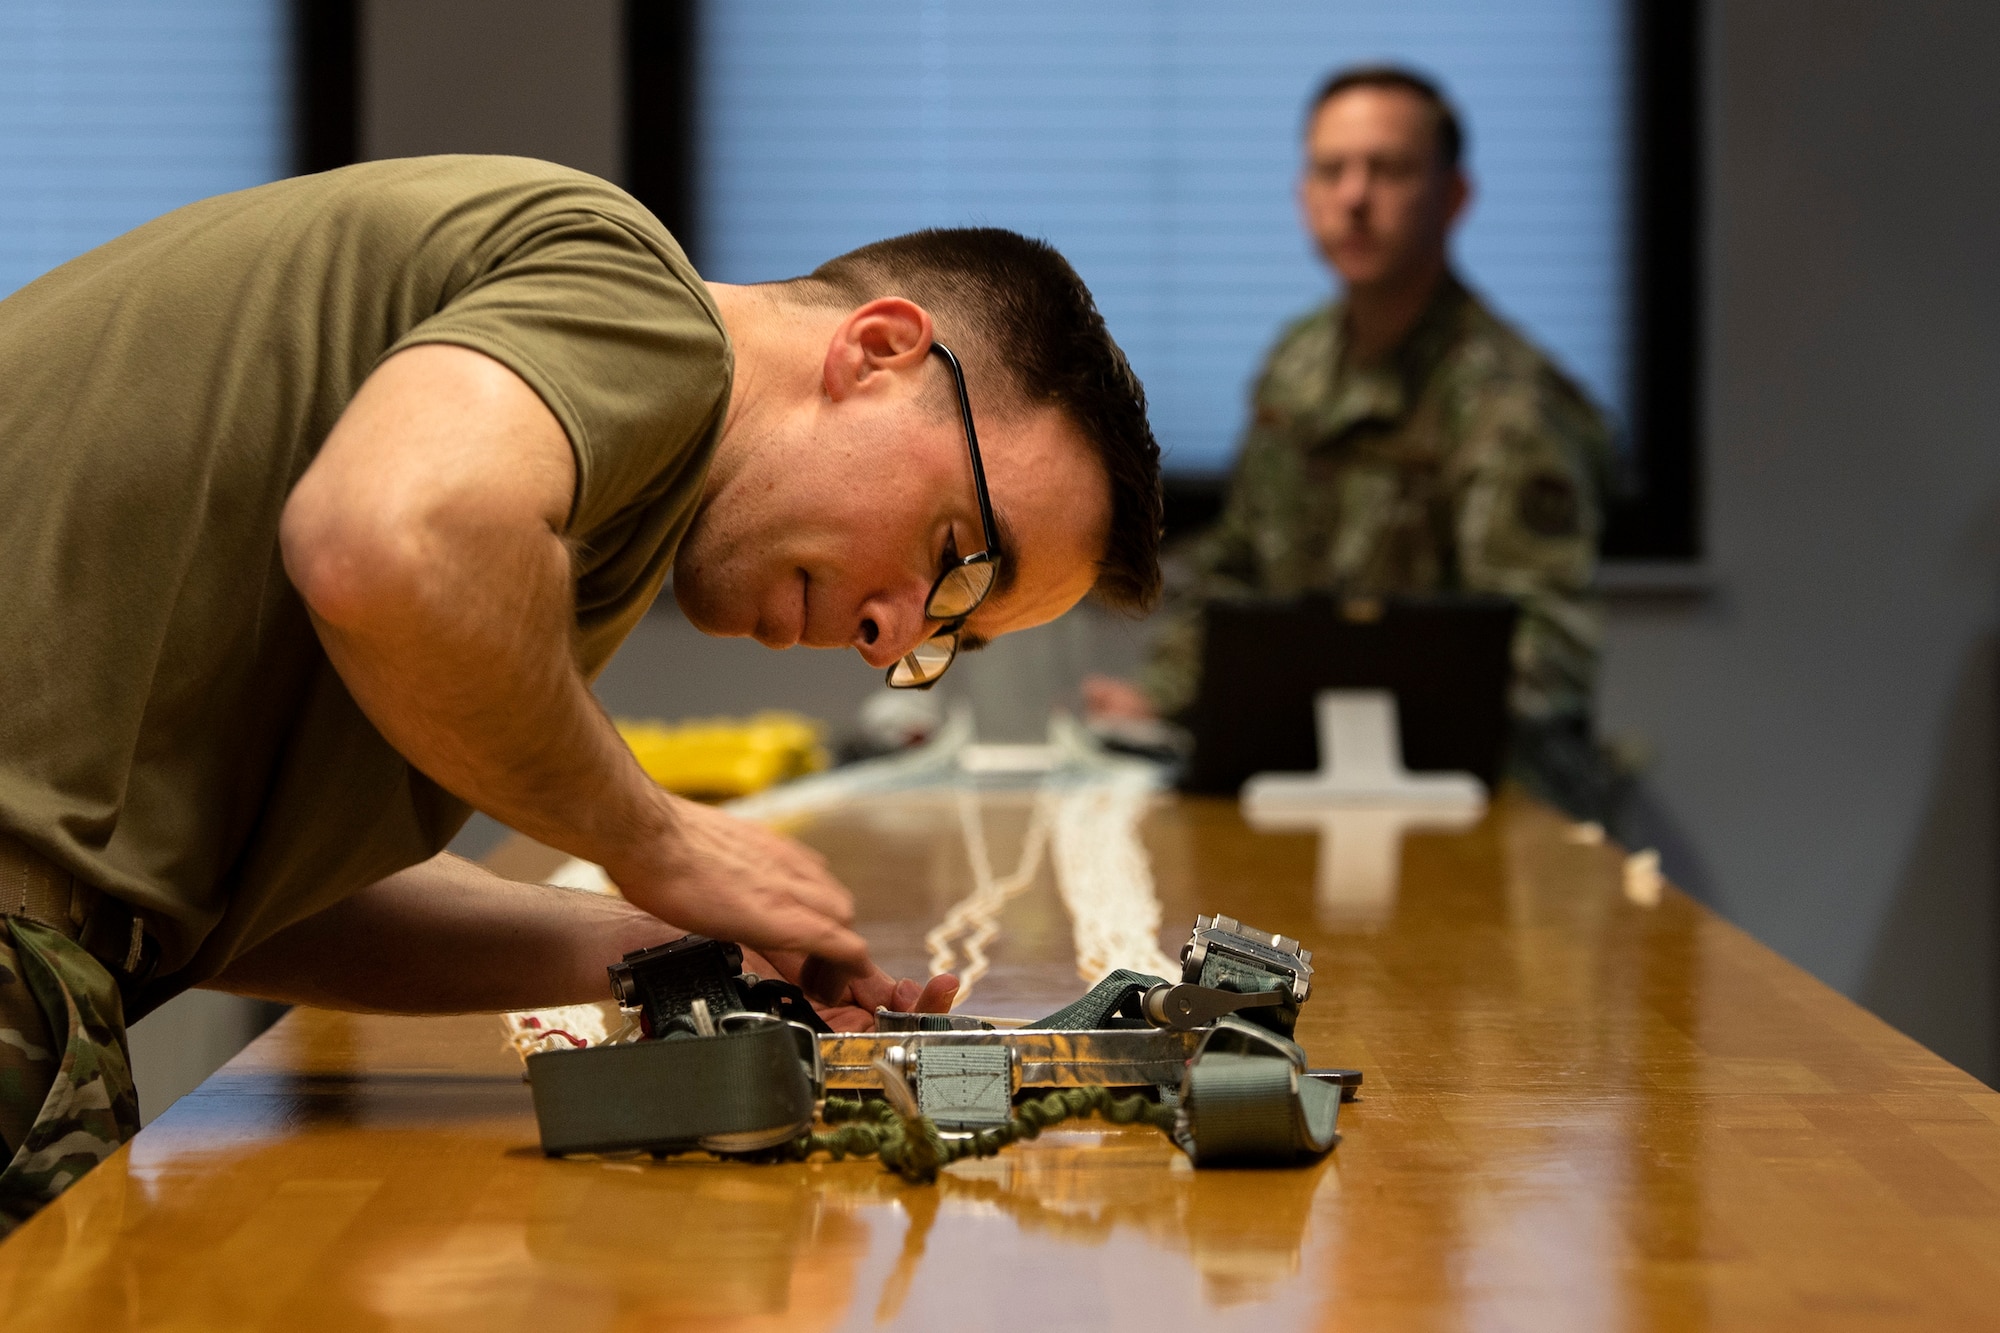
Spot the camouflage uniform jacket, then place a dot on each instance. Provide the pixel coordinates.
(1465, 462)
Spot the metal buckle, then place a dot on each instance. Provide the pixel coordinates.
(1186, 1006)
(803, 1038)
(1221, 945)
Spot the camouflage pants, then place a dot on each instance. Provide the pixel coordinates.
(66, 1094)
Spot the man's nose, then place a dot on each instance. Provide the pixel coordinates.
(1356, 188)
(890, 627)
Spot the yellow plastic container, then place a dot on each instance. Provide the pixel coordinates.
(722, 758)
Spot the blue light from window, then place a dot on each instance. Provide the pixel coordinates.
(115, 111)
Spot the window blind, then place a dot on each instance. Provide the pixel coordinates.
(115, 111)
(1155, 142)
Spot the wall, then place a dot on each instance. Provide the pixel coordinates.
(495, 76)
(1825, 722)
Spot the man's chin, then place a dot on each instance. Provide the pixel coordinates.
(1362, 270)
(703, 613)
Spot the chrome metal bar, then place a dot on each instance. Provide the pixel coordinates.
(1138, 1057)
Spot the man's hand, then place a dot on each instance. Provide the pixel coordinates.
(852, 1008)
(1110, 697)
(729, 879)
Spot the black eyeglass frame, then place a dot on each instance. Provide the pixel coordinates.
(955, 624)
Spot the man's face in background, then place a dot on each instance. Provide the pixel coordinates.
(1375, 196)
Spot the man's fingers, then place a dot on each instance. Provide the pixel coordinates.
(938, 993)
(905, 996)
(847, 1018)
(824, 897)
(830, 980)
(872, 989)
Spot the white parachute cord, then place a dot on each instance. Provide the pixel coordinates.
(1104, 874)
(973, 921)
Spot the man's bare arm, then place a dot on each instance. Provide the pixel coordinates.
(427, 542)
(448, 937)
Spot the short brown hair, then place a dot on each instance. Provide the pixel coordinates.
(1450, 132)
(1022, 309)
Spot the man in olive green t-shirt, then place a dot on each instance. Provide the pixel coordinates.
(326, 501)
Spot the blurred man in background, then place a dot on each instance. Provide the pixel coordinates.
(1405, 440)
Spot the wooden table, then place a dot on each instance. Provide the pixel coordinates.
(1579, 1113)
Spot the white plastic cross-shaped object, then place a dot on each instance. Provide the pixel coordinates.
(1361, 802)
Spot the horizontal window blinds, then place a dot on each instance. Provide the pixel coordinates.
(115, 111)
(1155, 143)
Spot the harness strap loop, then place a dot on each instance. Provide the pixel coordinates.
(738, 1091)
(1246, 1100)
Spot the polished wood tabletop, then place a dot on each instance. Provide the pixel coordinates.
(1588, 1106)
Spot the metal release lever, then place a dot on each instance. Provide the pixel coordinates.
(1181, 1006)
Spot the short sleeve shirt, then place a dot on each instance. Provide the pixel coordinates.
(171, 730)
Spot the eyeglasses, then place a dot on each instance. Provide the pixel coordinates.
(961, 589)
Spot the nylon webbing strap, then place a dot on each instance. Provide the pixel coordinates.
(1247, 1101)
(734, 1092)
(31, 887)
(1106, 998)
(965, 1087)
(38, 890)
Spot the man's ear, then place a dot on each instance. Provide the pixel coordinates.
(877, 341)
(1458, 194)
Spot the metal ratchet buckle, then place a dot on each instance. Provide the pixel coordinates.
(1222, 946)
(1183, 1007)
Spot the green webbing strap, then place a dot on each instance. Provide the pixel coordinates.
(1249, 1102)
(1093, 1012)
(737, 1091)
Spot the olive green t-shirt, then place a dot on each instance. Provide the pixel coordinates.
(170, 728)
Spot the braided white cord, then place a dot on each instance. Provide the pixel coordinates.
(975, 917)
(1104, 875)
(534, 1030)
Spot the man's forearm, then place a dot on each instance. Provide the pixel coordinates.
(486, 702)
(447, 937)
